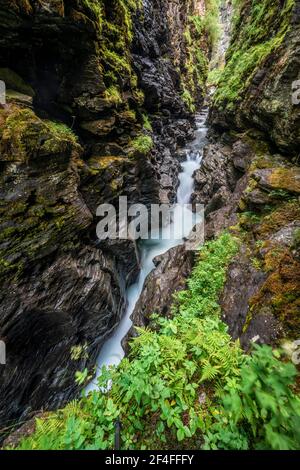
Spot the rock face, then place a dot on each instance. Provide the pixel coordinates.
(169, 276)
(258, 87)
(95, 109)
(220, 182)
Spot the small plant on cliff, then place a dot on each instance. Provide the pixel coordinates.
(142, 144)
(113, 95)
(188, 99)
(267, 24)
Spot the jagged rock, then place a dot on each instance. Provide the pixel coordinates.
(168, 277)
(263, 329)
(219, 185)
(99, 127)
(217, 171)
(76, 301)
(242, 155)
(286, 235)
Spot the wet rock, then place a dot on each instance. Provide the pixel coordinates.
(217, 171)
(256, 198)
(286, 235)
(242, 155)
(61, 289)
(220, 186)
(58, 290)
(100, 127)
(218, 200)
(235, 307)
(76, 300)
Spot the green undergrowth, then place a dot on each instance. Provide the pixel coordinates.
(259, 30)
(185, 383)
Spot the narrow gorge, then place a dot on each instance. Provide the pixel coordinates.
(162, 102)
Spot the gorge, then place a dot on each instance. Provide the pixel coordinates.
(107, 99)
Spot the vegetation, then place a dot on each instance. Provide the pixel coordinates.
(142, 144)
(171, 387)
(24, 138)
(201, 35)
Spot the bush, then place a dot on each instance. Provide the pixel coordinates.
(259, 408)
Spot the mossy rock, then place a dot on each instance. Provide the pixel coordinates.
(14, 82)
(286, 178)
(275, 179)
(281, 291)
(98, 164)
(281, 216)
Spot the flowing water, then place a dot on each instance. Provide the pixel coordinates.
(112, 352)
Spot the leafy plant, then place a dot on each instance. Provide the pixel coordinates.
(259, 408)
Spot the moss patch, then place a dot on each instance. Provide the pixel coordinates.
(281, 291)
(23, 135)
(14, 82)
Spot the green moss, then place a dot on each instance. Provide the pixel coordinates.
(113, 95)
(24, 135)
(128, 115)
(261, 31)
(279, 217)
(97, 164)
(296, 241)
(39, 224)
(189, 101)
(116, 38)
(281, 290)
(201, 34)
(147, 123)
(214, 77)
(95, 9)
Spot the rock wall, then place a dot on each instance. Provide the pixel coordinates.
(95, 109)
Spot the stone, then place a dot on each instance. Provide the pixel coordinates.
(168, 277)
